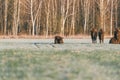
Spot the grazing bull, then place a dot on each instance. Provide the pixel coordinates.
(94, 35)
(116, 38)
(101, 35)
(58, 40)
(113, 41)
(117, 33)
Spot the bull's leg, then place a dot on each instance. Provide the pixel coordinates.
(55, 41)
(100, 41)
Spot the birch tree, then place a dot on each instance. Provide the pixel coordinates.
(2, 10)
(34, 13)
(16, 16)
(32, 8)
(103, 10)
(111, 20)
(47, 10)
(5, 16)
(54, 16)
(72, 30)
(65, 6)
(51, 17)
(116, 12)
(86, 8)
(63, 16)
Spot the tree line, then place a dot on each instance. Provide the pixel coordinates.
(64, 17)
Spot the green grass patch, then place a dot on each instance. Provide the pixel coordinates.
(25, 64)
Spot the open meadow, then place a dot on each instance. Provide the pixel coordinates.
(41, 59)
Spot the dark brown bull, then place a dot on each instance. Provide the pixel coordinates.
(113, 41)
(116, 38)
(101, 35)
(58, 40)
(94, 35)
(117, 34)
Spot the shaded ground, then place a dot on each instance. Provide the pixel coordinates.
(44, 43)
(70, 44)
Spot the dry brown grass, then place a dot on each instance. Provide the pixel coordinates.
(80, 36)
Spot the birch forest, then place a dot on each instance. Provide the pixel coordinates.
(64, 17)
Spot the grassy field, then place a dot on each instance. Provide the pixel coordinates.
(41, 60)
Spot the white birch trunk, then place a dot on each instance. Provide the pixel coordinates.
(73, 19)
(48, 17)
(86, 14)
(116, 14)
(5, 17)
(64, 14)
(34, 15)
(16, 17)
(102, 13)
(111, 21)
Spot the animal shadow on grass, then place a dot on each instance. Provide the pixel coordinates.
(38, 45)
